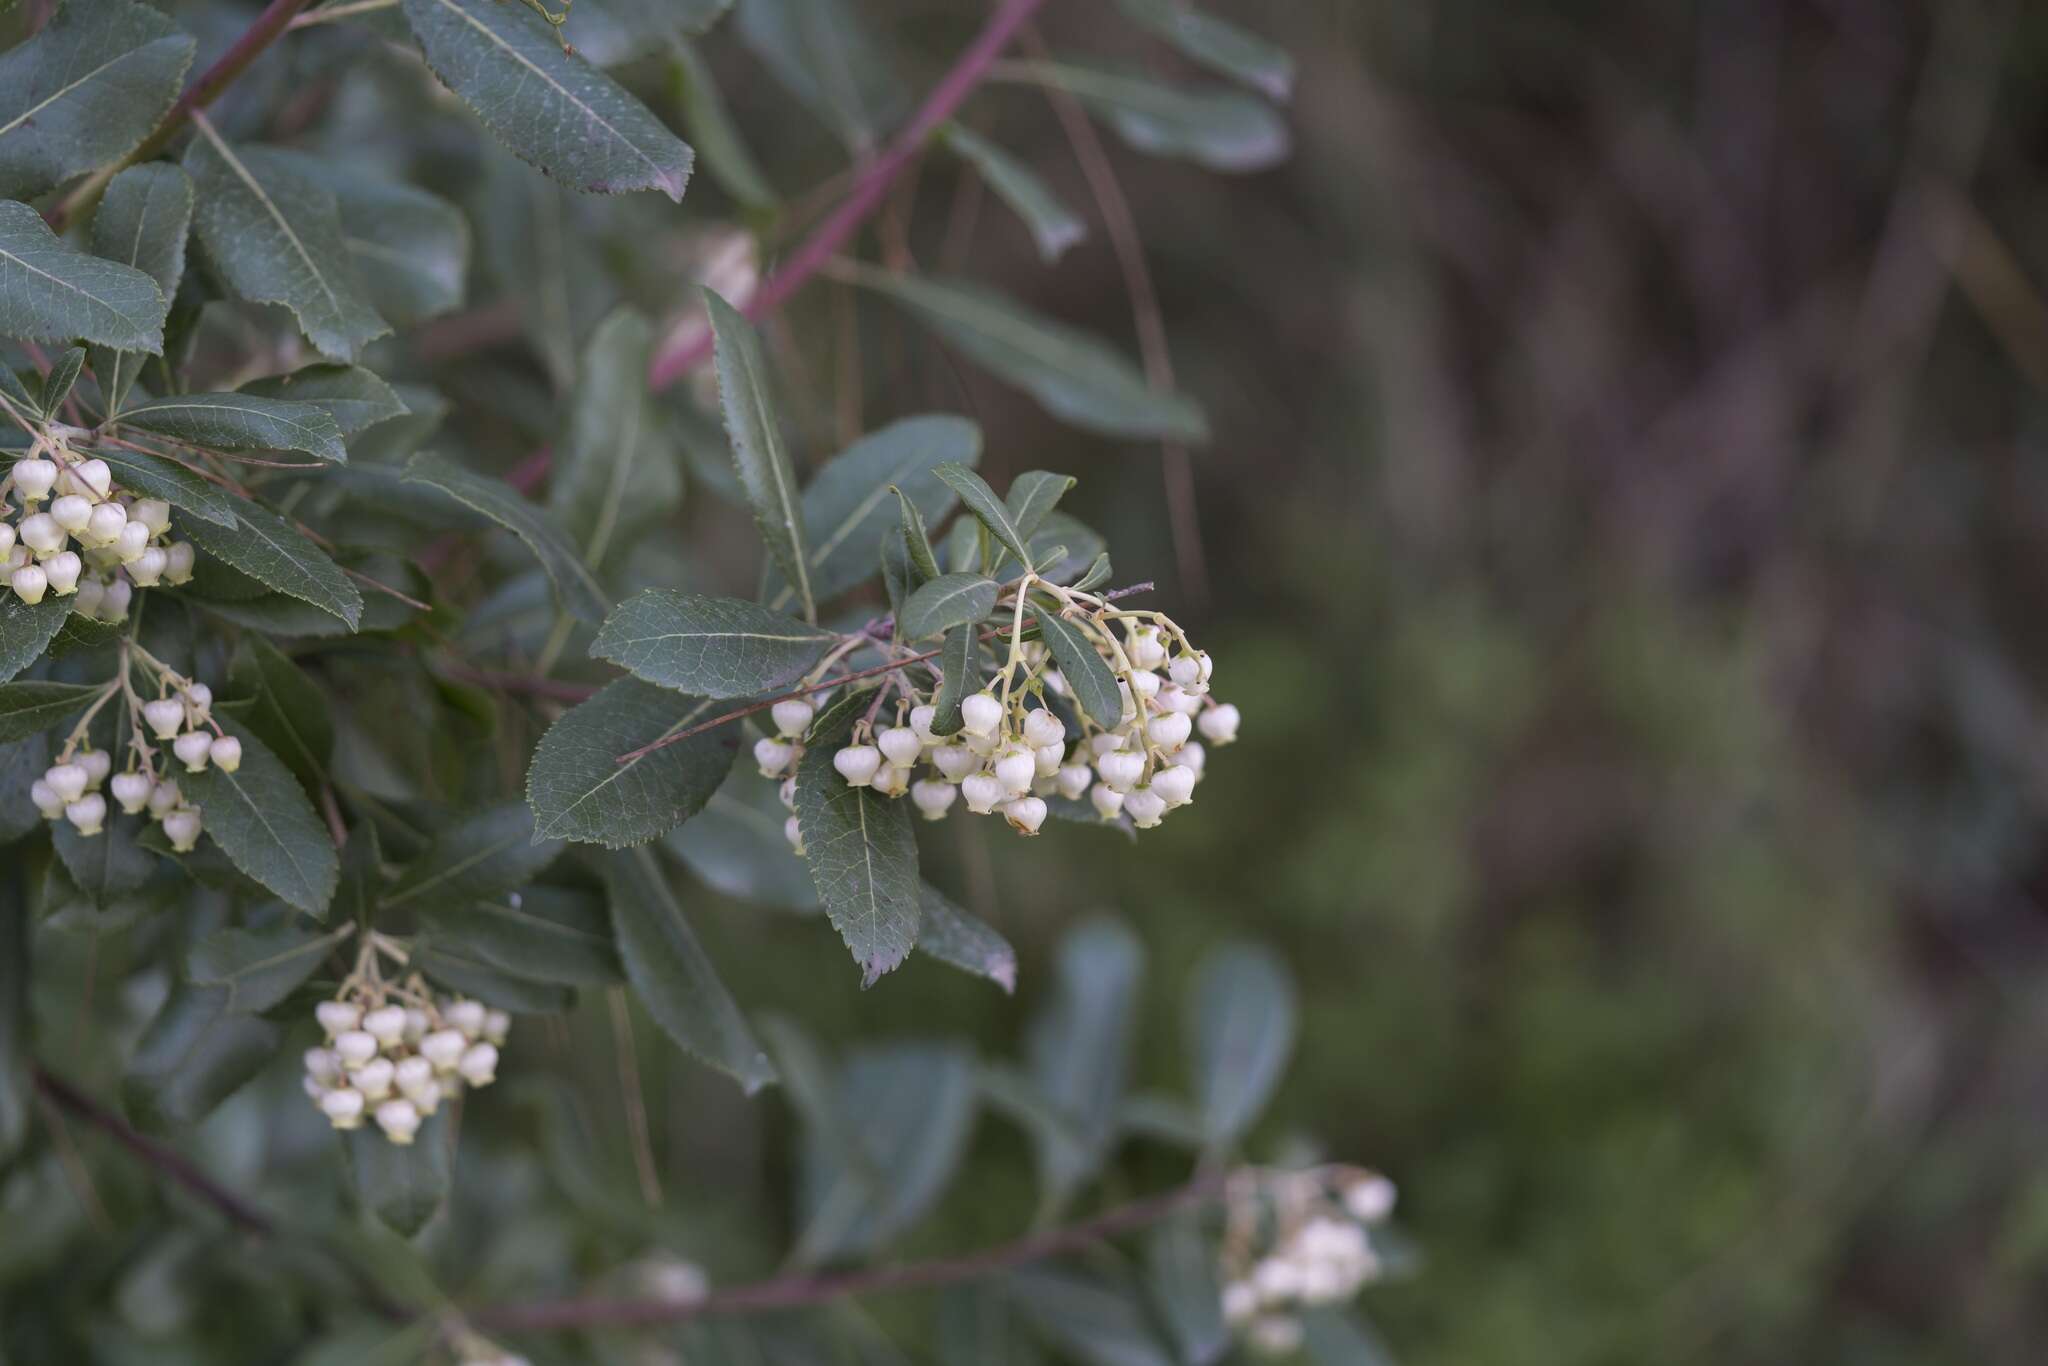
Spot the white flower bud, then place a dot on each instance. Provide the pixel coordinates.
(164, 798)
(6, 538)
(61, 572)
(147, 569)
(1074, 780)
(114, 602)
(192, 748)
(1048, 758)
(91, 596)
(921, 719)
(1145, 648)
(104, 526)
(1179, 699)
(981, 714)
(72, 512)
(1219, 724)
(983, 791)
(444, 1049)
(1025, 814)
(133, 540)
(1185, 670)
(322, 1066)
(400, 1120)
(1145, 807)
(982, 746)
(198, 700)
(386, 1025)
(1042, 728)
(178, 557)
(792, 716)
(857, 764)
(1370, 1199)
(891, 780)
(934, 800)
(66, 780)
(88, 814)
(1277, 1279)
(29, 584)
(153, 513)
(1168, 732)
(131, 791)
(41, 534)
(95, 476)
(373, 1078)
(416, 1024)
(955, 761)
(900, 745)
(1175, 786)
(1108, 742)
(33, 479)
(165, 717)
(225, 752)
(355, 1047)
(1015, 770)
(338, 1017)
(46, 799)
(467, 1016)
(786, 793)
(479, 1064)
(1107, 800)
(1194, 756)
(497, 1024)
(773, 757)
(1275, 1334)
(793, 831)
(1144, 685)
(413, 1075)
(1121, 769)
(97, 764)
(343, 1108)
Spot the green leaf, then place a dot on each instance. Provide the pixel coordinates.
(1074, 375)
(376, 1343)
(1219, 129)
(758, 453)
(262, 821)
(991, 511)
(1180, 1272)
(576, 589)
(242, 422)
(1088, 674)
(862, 850)
(26, 708)
(673, 977)
(713, 647)
(85, 91)
(1335, 1338)
(259, 968)
(1032, 497)
(546, 934)
(736, 846)
(457, 966)
(16, 1082)
(52, 292)
(1221, 46)
(610, 33)
(548, 107)
(25, 631)
(1097, 574)
(947, 601)
(63, 377)
(1079, 1048)
(287, 710)
(846, 508)
(917, 542)
(108, 866)
(1241, 1023)
(142, 221)
(357, 399)
(482, 855)
(822, 53)
(954, 937)
(1054, 227)
(403, 1187)
(1092, 1320)
(154, 476)
(271, 550)
(579, 790)
(957, 678)
(195, 1054)
(614, 469)
(410, 248)
(713, 132)
(274, 233)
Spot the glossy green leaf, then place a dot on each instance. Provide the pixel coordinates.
(992, 512)
(26, 708)
(259, 968)
(53, 292)
(63, 377)
(954, 937)
(272, 551)
(1218, 44)
(576, 589)
(154, 476)
(1092, 1320)
(759, 454)
(481, 855)
(712, 647)
(615, 470)
(85, 91)
(578, 789)
(862, 851)
(947, 601)
(1241, 1026)
(403, 1188)
(549, 107)
(357, 399)
(736, 846)
(1054, 227)
(917, 542)
(958, 677)
(673, 977)
(25, 631)
(547, 934)
(273, 232)
(1216, 128)
(1088, 675)
(193, 1055)
(822, 52)
(262, 821)
(142, 221)
(1074, 375)
(1032, 497)
(241, 422)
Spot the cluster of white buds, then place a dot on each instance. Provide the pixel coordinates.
(394, 1053)
(1295, 1240)
(121, 542)
(180, 718)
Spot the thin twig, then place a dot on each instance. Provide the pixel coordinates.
(787, 1292)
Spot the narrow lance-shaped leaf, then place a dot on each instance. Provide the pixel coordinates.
(1219, 129)
(917, 542)
(713, 647)
(579, 790)
(26, 708)
(576, 588)
(155, 476)
(614, 471)
(547, 934)
(957, 678)
(63, 376)
(1032, 497)
(357, 399)
(988, 509)
(85, 91)
(550, 108)
(862, 851)
(242, 422)
(673, 977)
(1054, 227)
(947, 601)
(483, 854)
(259, 968)
(713, 132)
(52, 292)
(823, 53)
(758, 452)
(271, 550)
(142, 221)
(1087, 673)
(265, 825)
(1216, 43)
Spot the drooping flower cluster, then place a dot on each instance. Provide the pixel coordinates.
(1013, 750)
(178, 718)
(1294, 1240)
(395, 1053)
(94, 543)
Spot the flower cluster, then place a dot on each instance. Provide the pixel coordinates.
(1012, 749)
(178, 718)
(394, 1053)
(122, 542)
(1294, 1240)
